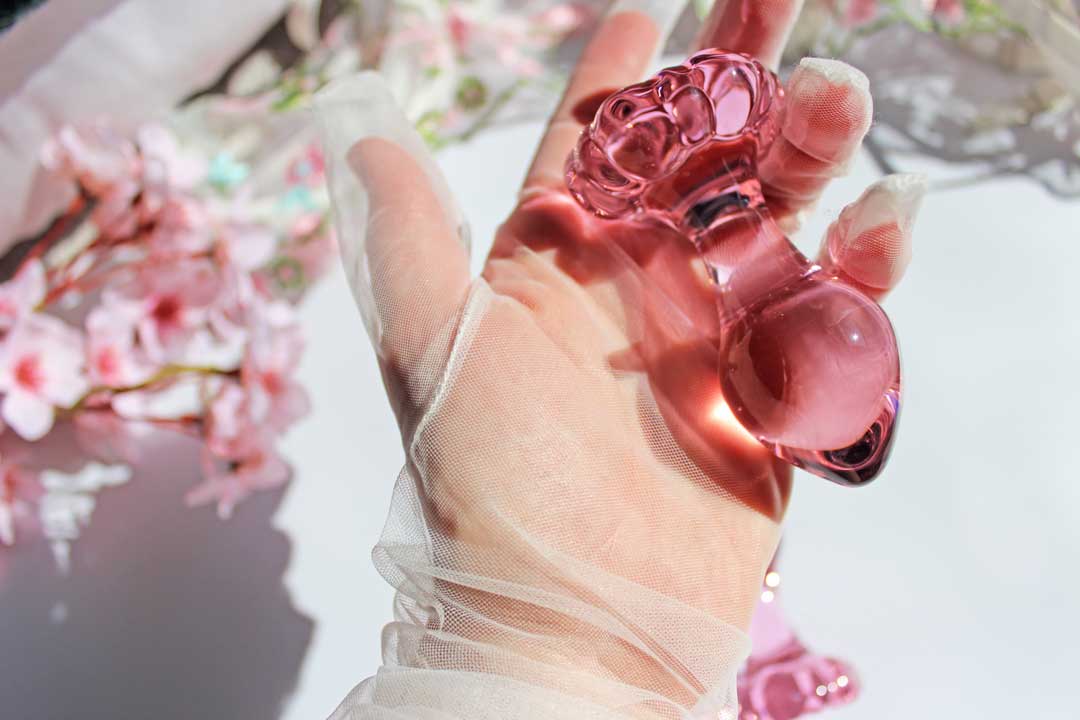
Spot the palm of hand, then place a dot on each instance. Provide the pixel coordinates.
(612, 442)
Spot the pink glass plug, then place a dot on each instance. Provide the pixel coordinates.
(808, 364)
(782, 679)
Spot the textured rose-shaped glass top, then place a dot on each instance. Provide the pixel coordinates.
(808, 364)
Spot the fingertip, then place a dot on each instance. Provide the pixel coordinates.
(897, 197)
(358, 115)
(359, 158)
(385, 170)
(835, 72)
(871, 241)
(829, 109)
(400, 234)
(827, 112)
(903, 191)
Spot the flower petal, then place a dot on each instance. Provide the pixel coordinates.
(27, 414)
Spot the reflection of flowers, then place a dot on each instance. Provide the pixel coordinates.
(17, 484)
(239, 456)
(272, 357)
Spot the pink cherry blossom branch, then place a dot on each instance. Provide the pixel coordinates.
(58, 229)
(165, 374)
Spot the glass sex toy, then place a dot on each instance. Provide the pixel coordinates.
(782, 678)
(807, 363)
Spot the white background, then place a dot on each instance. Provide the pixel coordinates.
(951, 583)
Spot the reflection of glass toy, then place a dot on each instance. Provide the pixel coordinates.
(782, 679)
(808, 364)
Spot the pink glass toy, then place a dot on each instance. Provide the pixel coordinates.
(782, 679)
(808, 364)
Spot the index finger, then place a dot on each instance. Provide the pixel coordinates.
(759, 28)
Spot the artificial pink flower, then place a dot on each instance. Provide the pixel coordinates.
(460, 28)
(309, 169)
(170, 302)
(181, 222)
(302, 260)
(230, 429)
(230, 316)
(165, 169)
(227, 482)
(20, 295)
(508, 37)
(182, 227)
(96, 156)
(108, 167)
(118, 214)
(41, 368)
(113, 359)
(131, 182)
(305, 224)
(508, 52)
(246, 301)
(950, 11)
(267, 374)
(854, 13)
(465, 30)
(247, 247)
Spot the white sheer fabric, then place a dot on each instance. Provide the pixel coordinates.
(126, 60)
(556, 552)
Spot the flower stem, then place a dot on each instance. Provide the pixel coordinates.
(168, 372)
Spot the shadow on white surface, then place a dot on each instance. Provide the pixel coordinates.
(167, 613)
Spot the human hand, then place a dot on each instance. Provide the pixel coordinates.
(562, 416)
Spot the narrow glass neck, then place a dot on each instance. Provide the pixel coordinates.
(746, 254)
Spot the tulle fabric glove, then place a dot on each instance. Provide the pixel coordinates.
(581, 527)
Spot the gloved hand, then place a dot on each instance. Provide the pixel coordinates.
(581, 527)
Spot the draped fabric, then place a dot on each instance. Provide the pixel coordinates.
(129, 60)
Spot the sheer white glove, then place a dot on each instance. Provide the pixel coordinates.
(581, 527)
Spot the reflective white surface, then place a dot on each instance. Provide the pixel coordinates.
(951, 582)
